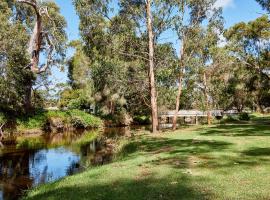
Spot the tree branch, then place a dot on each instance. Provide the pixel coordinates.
(49, 57)
(30, 3)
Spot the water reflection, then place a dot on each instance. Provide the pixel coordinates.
(59, 155)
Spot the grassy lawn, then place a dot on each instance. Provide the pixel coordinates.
(217, 162)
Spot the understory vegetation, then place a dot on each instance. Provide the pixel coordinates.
(229, 161)
(58, 119)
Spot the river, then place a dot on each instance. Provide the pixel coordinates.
(28, 161)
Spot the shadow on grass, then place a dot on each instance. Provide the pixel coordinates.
(257, 152)
(160, 145)
(194, 153)
(237, 130)
(145, 188)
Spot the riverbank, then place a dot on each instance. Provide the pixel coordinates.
(228, 161)
(56, 121)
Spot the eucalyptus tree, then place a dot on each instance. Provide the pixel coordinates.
(46, 40)
(190, 16)
(103, 36)
(117, 41)
(13, 59)
(249, 43)
(152, 18)
(265, 4)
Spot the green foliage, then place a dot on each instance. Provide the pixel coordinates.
(142, 120)
(75, 99)
(244, 117)
(81, 119)
(75, 118)
(3, 119)
(265, 4)
(13, 59)
(249, 44)
(36, 121)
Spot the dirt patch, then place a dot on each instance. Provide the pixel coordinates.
(163, 150)
(144, 172)
(174, 162)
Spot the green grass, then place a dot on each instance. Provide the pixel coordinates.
(219, 162)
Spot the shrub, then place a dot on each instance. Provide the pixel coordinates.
(244, 117)
(32, 122)
(142, 120)
(77, 122)
(81, 119)
(75, 118)
(3, 119)
(230, 119)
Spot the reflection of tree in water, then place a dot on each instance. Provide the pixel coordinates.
(65, 138)
(22, 169)
(73, 168)
(14, 173)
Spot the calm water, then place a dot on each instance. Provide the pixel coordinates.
(54, 156)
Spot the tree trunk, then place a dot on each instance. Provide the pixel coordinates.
(206, 100)
(177, 102)
(28, 98)
(151, 68)
(34, 49)
(1, 135)
(180, 79)
(35, 45)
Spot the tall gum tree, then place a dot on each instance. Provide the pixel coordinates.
(151, 74)
(47, 40)
(190, 15)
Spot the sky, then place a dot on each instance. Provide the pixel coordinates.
(234, 11)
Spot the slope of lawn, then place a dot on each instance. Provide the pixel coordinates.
(218, 162)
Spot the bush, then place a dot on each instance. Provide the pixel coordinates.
(78, 122)
(75, 118)
(32, 122)
(3, 119)
(244, 117)
(142, 120)
(81, 119)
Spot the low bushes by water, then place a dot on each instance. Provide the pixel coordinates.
(58, 120)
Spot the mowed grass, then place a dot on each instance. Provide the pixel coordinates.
(218, 162)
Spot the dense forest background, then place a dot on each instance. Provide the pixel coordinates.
(121, 68)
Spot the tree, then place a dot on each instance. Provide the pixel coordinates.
(118, 50)
(190, 15)
(249, 44)
(48, 37)
(265, 4)
(151, 74)
(13, 59)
